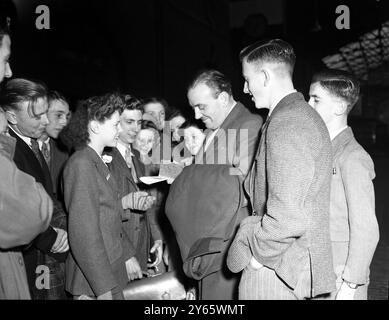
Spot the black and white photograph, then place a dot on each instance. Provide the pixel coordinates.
(202, 150)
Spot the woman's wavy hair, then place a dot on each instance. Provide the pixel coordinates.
(98, 108)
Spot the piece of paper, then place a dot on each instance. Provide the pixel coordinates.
(167, 172)
(153, 179)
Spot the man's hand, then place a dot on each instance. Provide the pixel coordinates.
(139, 200)
(254, 264)
(133, 269)
(345, 292)
(61, 244)
(105, 296)
(157, 247)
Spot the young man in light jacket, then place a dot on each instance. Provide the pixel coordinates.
(353, 224)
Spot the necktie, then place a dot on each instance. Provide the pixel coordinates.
(37, 152)
(130, 164)
(46, 153)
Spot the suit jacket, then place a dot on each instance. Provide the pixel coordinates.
(235, 150)
(26, 211)
(138, 226)
(58, 155)
(39, 253)
(352, 206)
(289, 187)
(235, 142)
(96, 263)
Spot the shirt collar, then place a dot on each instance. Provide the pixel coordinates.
(27, 140)
(272, 107)
(333, 135)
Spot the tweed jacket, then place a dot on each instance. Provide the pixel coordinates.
(39, 253)
(140, 227)
(289, 187)
(96, 263)
(352, 206)
(26, 211)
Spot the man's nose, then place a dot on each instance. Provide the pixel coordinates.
(44, 119)
(245, 88)
(197, 113)
(8, 71)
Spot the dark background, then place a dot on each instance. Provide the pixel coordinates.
(153, 47)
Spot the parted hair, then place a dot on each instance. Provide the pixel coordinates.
(340, 84)
(4, 29)
(273, 51)
(213, 79)
(98, 108)
(17, 91)
(54, 95)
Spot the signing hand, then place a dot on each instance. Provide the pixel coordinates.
(133, 269)
(61, 244)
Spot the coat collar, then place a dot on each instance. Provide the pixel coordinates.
(100, 165)
(341, 140)
(286, 102)
(7, 146)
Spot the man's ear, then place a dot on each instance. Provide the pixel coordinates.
(94, 126)
(265, 77)
(11, 117)
(224, 98)
(341, 108)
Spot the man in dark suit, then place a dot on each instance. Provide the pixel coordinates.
(54, 152)
(140, 225)
(25, 103)
(284, 249)
(231, 139)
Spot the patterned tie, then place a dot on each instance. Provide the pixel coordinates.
(46, 153)
(37, 152)
(130, 164)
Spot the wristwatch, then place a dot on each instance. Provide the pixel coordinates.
(350, 284)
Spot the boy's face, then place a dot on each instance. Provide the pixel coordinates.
(323, 102)
(194, 139)
(145, 141)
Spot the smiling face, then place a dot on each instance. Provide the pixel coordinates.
(157, 111)
(28, 124)
(254, 85)
(145, 141)
(211, 110)
(175, 124)
(130, 123)
(108, 131)
(58, 116)
(194, 139)
(5, 53)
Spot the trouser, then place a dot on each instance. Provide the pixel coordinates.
(264, 284)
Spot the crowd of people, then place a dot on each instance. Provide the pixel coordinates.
(274, 209)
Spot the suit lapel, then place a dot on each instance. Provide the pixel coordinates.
(103, 169)
(27, 162)
(118, 160)
(210, 155)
